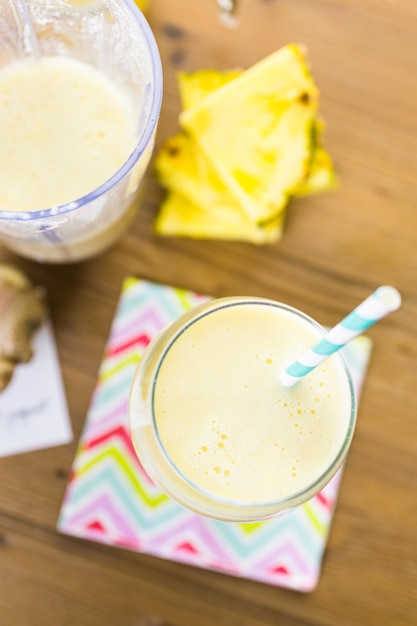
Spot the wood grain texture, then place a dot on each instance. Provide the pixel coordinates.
(336, 249)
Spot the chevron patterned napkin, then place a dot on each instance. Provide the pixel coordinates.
(110, 499)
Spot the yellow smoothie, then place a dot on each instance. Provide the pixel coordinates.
(214, 426)
(65, 128)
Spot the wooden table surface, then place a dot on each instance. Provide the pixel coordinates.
(337, 248)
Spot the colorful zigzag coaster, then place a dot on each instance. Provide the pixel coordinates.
(110, 499)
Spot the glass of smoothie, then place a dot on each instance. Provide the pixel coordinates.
(213, 425)
(80, 96)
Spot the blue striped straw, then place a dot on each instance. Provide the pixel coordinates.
(384, 300)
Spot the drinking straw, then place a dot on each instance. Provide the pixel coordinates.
(383, 301)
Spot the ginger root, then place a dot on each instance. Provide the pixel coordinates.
(22, 309)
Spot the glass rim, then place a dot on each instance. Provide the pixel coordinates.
(279, 503)
(141, 144)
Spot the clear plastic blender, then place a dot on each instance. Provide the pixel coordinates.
(113, 36)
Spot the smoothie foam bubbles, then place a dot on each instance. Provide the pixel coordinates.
(226, 426)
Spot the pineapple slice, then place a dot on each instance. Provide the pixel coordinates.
(179, 217)
(180, 168)
(194, 86)
(321, 176)
(142, 4)
(256, 131)
(199, 205)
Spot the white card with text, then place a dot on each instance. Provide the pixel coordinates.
(33, 407)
